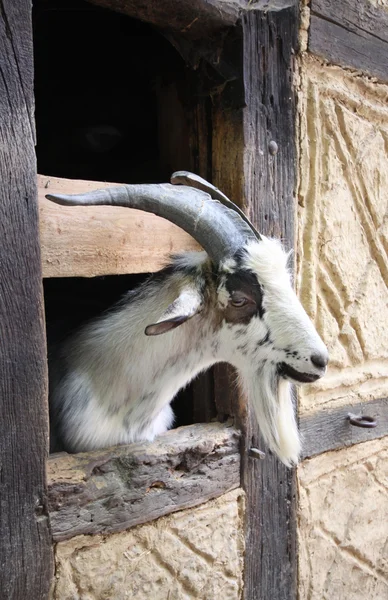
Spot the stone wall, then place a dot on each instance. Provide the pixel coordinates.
(343, 229)
(189, 555)
(342, 281)
(343, 525)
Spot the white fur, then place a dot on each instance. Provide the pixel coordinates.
(187, 303)
(289, 327)
(112, 384)
(274, 408)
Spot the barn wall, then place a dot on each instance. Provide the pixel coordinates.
(343, 524)
(191, 554)
(342, 282)
(343, 229)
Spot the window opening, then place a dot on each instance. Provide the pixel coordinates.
(102, 84)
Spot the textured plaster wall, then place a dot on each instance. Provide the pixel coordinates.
(343, 529)
(196, 554)
(342, 281)
(343, 229)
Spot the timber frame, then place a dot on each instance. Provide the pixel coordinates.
(242, 128)
(352, 34)
(26, 554)
(241, 122)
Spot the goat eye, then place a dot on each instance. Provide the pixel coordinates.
(239, 302)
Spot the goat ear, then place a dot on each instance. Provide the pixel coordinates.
(184, 307)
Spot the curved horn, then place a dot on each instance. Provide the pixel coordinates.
(195, 181)
(218, 229)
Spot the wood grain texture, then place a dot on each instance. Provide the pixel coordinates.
(192, 18)
(114, 489)
(101, 240)
(270, 178)
(331, 429)
(351, 34)
(263, 184)
(270, 40)
(25, 541)
(363, 15)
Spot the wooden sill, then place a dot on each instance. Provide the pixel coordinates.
(102, 240)
(116, 488)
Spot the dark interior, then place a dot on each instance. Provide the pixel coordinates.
(102, 84)
(99, 78)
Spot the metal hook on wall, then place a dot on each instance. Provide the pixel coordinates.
(362, 421)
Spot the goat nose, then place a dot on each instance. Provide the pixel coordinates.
(320, 359)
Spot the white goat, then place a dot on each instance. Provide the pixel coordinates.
(112, 382)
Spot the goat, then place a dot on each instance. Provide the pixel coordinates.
(113, 380)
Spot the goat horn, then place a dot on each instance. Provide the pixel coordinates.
(218, 229)
(195, 181)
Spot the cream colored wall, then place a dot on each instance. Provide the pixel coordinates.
(343, 524)
(189, 555)
(343, 229)
(343, 283)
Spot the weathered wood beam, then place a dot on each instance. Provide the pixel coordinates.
(101, 240)
(331, 429)
(26, 563)
(262, 181)
(351, 34)
(192, 18)
(270, 41)
(114, 489)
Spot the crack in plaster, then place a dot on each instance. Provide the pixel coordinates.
(352, 459)
(353, 554)
(342, 120)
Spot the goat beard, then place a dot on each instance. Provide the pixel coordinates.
(273, 403)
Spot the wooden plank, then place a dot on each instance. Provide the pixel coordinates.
(102, 240)
(351, 34)
(25, 543)
(192, 18)
(270, 40)
(263, 183)
(331, 429)
(361, 16)
(114, 489)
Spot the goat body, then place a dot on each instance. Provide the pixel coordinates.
(112, 382)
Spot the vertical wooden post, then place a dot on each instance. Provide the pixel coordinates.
(254, 163)
(25, 541)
